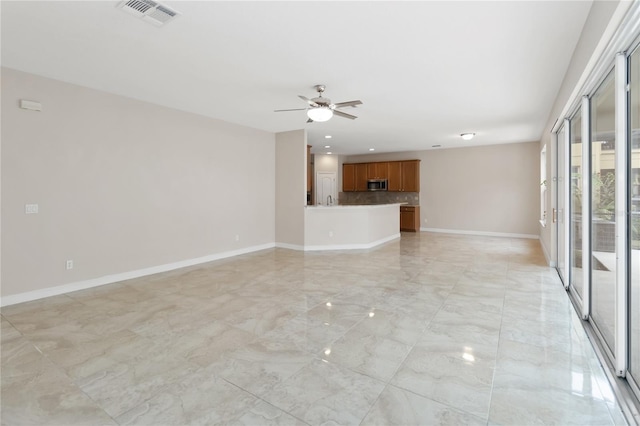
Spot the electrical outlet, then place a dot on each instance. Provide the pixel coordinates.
(30, 208)
(69, 264)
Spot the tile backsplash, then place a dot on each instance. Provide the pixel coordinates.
(379, 197)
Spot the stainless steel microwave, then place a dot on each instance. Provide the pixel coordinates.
(376, 185)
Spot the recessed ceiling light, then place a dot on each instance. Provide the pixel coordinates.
(327, 146)
(467, 136)
(372, 149)
(328, 137)
(328, 152)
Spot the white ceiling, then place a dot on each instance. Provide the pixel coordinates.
(425, 71)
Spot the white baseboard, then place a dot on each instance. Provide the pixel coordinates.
(353, 246)
(290, 246)
(480, 233)
(110, 279)
(550, 262)
(338, 246)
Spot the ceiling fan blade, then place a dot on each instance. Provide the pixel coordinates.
(307, 100)
(346, 104)
(295, 109)
(344, 114)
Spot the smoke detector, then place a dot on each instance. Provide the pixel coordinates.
(150, 11)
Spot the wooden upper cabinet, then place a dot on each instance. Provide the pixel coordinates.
(361, 176)
(394, 176)
(377, 170)
(411, 176)
(309, 170)
(402, 176)
(348, 177)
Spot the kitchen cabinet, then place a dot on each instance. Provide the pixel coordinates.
(394, 177)
(309, 169)
(411, 176)
(377, 170)
(361, 176)
(348, 177)
(410, 218)
(404, 176)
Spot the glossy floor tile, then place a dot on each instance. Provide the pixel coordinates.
(432, 329)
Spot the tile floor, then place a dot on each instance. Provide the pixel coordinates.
(429, 329)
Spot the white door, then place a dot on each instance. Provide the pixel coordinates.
(326, 188)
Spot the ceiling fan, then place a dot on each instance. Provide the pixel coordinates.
(322, 109)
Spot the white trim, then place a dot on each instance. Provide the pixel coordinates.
(586, 206)
(353, 246)
(621, 97)
(566, 211)
(552, 156)
(290, 246)
(110, 279)
(338, 246)
(480, 233)
(544, 188)
(551, 262)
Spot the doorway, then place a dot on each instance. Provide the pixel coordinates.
(326, 193)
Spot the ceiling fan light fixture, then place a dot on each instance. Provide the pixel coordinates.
(467, 136)
(320, 114)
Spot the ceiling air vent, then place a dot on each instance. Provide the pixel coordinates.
(150, 11)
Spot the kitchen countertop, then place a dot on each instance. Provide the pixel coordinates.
(355, 206)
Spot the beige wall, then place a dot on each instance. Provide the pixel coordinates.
(325, 163)
(486, 189)
(291, 187)
(123, 185)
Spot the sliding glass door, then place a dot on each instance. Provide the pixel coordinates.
(576, 281)
(598, 181)
(603, 198)
(634, 229)
(559, 212)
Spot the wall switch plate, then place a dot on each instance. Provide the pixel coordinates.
(237, 237)
(30, 105)
(31, 208)
(69, 264)
(331, 233)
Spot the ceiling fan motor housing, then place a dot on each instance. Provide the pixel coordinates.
(322, 101)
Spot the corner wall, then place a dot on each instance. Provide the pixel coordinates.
(291, 188)
(123, 185)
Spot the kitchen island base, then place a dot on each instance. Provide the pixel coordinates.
(350, 227)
